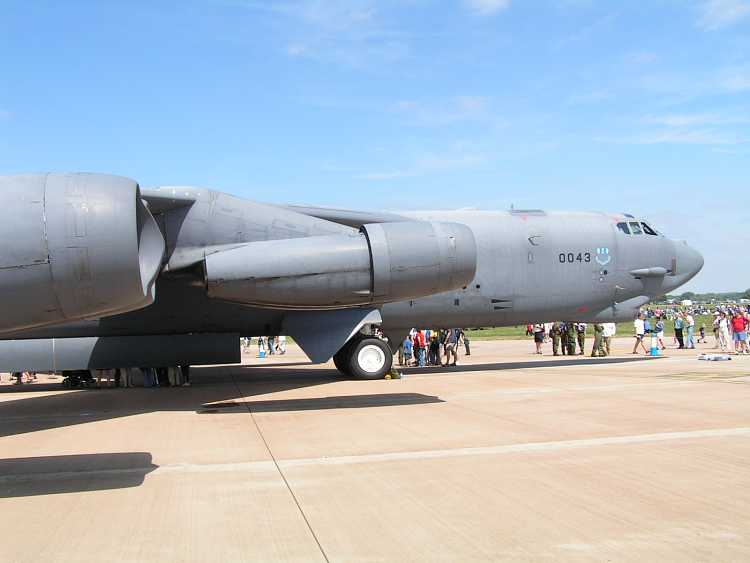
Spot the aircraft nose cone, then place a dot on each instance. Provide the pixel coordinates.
(689, 261)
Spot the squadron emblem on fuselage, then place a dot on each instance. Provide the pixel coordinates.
(602, 256)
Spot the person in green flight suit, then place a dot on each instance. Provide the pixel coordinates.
(581, 334)
(564, 336)
(556, 334)
(598, 349)
(571, 339)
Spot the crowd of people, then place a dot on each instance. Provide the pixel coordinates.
(569, 338)
(428, 347)
(270, 345)
(730, 326)
(173, 376)
(732, 331)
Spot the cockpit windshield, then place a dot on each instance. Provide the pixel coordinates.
(637, 228)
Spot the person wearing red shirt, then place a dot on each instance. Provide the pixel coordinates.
(419, 345)
(739, 326)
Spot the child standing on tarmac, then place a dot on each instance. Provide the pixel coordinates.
(408, 349)
(703, 334)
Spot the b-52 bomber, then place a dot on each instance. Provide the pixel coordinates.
(97, 272)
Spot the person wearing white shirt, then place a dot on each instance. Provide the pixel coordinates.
(640, 333)
(610, 331)
(724, 339)
(690, 323)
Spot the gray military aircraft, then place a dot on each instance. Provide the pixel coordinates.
(96, 272)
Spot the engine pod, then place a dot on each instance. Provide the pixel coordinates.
(383, 263)
(74, 246)
(417, 258)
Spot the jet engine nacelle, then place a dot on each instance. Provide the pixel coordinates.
(74, 246)
(384, 262)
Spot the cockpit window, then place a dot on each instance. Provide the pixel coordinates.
(623, 227)
(649, 231)
(636, 228)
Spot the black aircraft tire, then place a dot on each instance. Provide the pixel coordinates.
(342, 359)
(340, 362)
(370, 358)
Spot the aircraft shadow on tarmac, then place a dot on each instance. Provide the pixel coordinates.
(224, 385)
(506, 366)
(52, 475)
(324, 403)
(215, 390)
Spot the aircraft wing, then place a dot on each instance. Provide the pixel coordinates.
(167, 199)
(347, 217)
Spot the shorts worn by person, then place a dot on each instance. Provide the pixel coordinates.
(451, 345)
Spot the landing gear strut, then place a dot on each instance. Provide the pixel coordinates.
(364, 358)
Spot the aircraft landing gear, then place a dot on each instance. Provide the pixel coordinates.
(364, 358)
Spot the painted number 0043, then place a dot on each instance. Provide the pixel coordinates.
(571, 258)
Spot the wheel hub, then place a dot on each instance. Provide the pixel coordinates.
(371, 359)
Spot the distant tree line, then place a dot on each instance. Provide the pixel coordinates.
(706, 297)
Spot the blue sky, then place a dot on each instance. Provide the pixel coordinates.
(641, 107)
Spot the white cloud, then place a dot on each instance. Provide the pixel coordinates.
(696, 119)
(736, 79)
(487, 7)
(640, 58)
(732, 151)
(586, 31)
(325, 14)
(296, 50)
(383, 176)
(458, 157)
(716, 14)
(349, 33)
(710, 128)
(591, 97)
(706, 137)
(446, 112)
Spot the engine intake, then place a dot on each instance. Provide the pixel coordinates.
(74, 246)
(384, 262)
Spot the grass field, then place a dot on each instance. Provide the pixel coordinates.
(623, 329)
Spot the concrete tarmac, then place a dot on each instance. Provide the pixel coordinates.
(507, 457)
